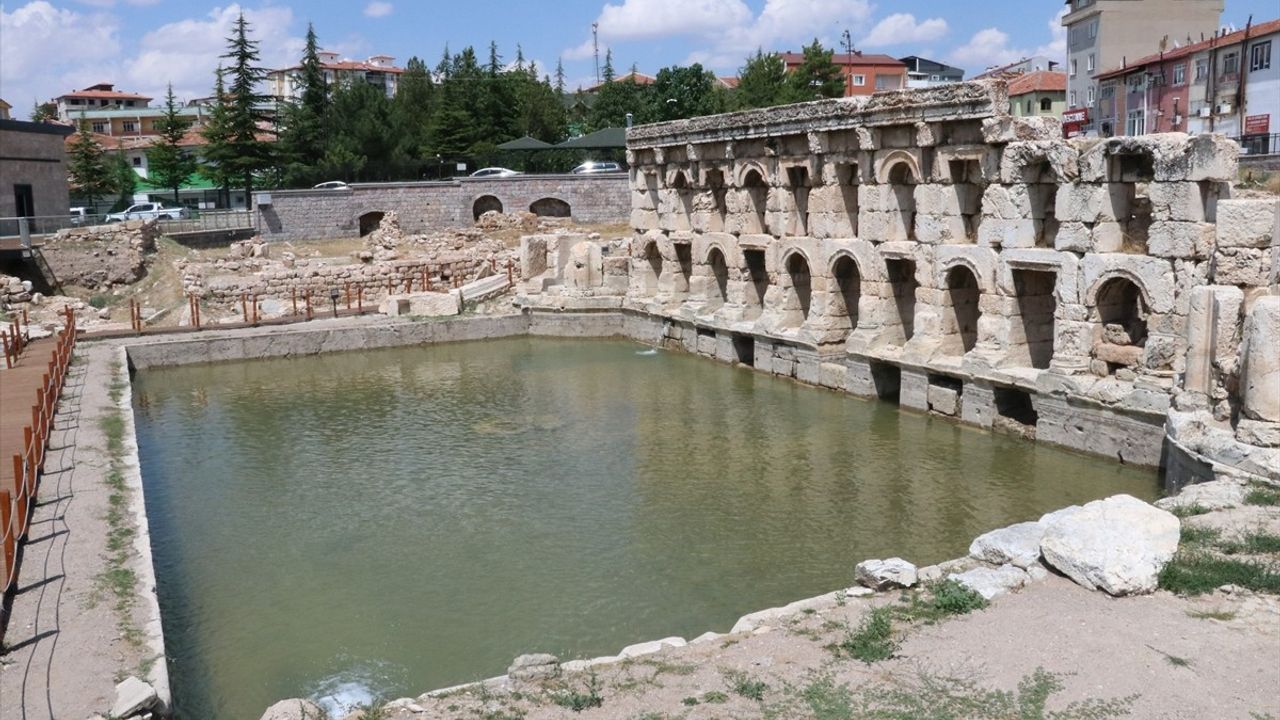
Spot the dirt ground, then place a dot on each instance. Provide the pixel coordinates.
(1156, 656)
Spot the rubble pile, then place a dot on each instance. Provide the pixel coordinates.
(102, 256)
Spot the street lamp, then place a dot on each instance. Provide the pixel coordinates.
(333, 298)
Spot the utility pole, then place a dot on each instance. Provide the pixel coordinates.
(848, 49)
(595, 47)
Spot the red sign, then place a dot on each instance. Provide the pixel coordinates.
(1076, 115)
(1257, 124)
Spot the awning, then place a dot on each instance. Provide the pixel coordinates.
(607, 138)
(525, 143)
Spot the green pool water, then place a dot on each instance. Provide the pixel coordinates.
(386, 522)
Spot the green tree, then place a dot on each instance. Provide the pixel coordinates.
(762, 82)
(684, 92)
(607, 74)
(358, 146)
(817, 77)
(217, 135)
(302, 141)
(615, 100)
(560, 81)
(44, 112)
(245, 109)
(87, 165)
(411, 115)
(124, 181)
(168, 165)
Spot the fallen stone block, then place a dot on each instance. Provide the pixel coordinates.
(1118, 545)
(1214, 495)
(886, 574)
(534, 666)
(991, 583)
(133, 697)
(1017, 545)
(651, 647)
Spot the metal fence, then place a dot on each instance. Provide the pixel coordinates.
(41, 225)
(1259, 145)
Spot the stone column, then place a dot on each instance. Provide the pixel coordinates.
(1260, 373)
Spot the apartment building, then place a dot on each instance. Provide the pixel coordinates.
(1105, 34)
(863, 73)
(1038, 93)
(379, 71)
(923, 72)
(102, 96)
(1030, 64)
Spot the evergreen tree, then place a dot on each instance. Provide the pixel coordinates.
(87, 165)
(167, 165)
(495, 62)
(411, 115)
(124, 181)
(762, 82)
(248, 154)
(217, 136)
(560, 77)
(520, 57)
(608, 66)
(817, 77)
(302, 141)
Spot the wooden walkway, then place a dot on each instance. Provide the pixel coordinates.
(18, 387)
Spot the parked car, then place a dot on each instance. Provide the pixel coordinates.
(495, 172)
(331, 185)
(79, 215)
(148, 211)
(591, 167)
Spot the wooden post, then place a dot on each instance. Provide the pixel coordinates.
(244, 307)
(9, 537)
(360, 298)
(293, 294)
(348, 291)
(8, 357)
(509, 274)
(308, 299)
(408, 284)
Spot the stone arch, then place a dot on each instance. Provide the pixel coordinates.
(902, 175)
(983, 269)
(742, 169)
(719, 264)
(799, 288)
(1091, 295)
(754, 186)
(550, 207)
(650, 266)
(891, 162)
(683, 189)
(1119, 310)
(960, 322)
(484, 204)
(369, 221)
(846, 290)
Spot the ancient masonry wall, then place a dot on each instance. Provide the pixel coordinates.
(926, 247)
(425, 206)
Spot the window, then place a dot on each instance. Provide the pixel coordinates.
(1046, 105)
(130, 126)
(1135, 82)
(99, 126)
(1260, 56)
(128, 103)
(1137, 124)
(1073, 98)
(1179, 74)
(1089, 95)
(1202, 69)
(1089, 65)
(1073, 67)
(1093, 29)
(1028, 107)
(859, 80)
(1230, 63)
(137, 161)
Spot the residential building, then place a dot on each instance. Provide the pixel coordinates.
(136, 123)
(1038, 93)
(1102, 34)
(102, 96)
(1229, 83)
(922, 72)
(4, 109)
(379, 71)
(34, 169)
(1033, 63)
(864, 73)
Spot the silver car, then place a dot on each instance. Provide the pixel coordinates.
(591, 167)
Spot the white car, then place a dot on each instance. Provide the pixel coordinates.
(149, 211)
(331, 185)
(592, 167)
(495, 172)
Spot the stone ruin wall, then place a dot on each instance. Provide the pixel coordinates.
(924, 245)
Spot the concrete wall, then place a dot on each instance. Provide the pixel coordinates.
(424, 206)
(32, 154)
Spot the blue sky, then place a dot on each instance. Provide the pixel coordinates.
(48, 47)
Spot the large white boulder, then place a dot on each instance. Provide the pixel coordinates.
(1017, 545)
(993, 582)
(1214, 495)
(133, 697)
(886, 574)
(1118, 545)
(294, 709)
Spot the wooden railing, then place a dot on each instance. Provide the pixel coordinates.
(17, 503)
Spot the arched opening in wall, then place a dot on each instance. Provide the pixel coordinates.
(1037, 305)
(550, 207)
(961, 329)
(1129, 175)
(484, 204)
(1046, 105)
(719, 294)
(1121, 315)
(903, 284)
(798, 181)
(758, 282)
(653, 268)
(847, 178)
(966, 181)
(1210, 193)
(800, 297)
(683, 200)
(848, 292)
(370, 221)
(717, 187)
(758, 199)
(1042, 189)
(903, 184)
(684, 265)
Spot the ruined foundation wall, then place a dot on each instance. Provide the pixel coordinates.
(924, 246)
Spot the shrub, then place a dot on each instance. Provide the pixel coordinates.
(873, 640)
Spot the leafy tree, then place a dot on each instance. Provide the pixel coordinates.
(616, 99)
(123, 180)
(762, 82)
(817, 77)
(248, 154)
(87, 165)
(168, 165)
(684, 92)
(44, 112)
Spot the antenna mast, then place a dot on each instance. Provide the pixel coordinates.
(595, 47)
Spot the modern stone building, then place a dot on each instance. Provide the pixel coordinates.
(926, 247)
(33, 169)
(1101, 34)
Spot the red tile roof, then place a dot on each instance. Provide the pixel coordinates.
(1038, 81)
(104, 95)
(1264, 28)
(349, 65)
(857, 58)
(638, 77)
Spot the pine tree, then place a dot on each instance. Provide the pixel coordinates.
(608, 74)
(87, 165)
(519, 57)
(817, 77)
(217, 136)
(167, 165)
(762, 82)
(124, 181)
(560, 77)
(245, 109)
(302, 141)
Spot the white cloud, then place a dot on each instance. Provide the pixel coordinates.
(47, 50)
(642, 19)
(378, 9)
(901, 28)
(991, 47)
(582, 51)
